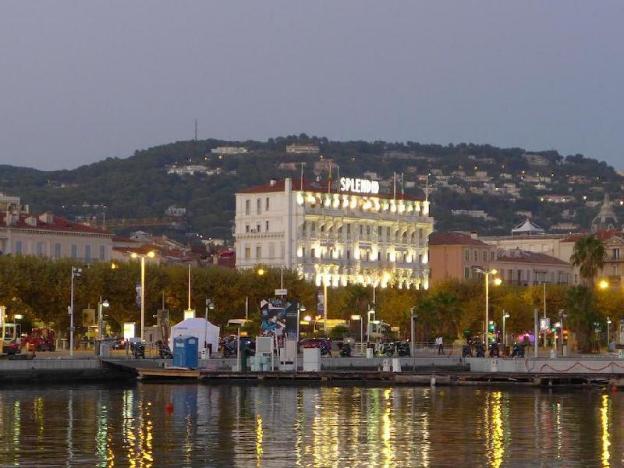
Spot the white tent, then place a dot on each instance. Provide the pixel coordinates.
(201, 329)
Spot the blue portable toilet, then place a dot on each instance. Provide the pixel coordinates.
(185, 352)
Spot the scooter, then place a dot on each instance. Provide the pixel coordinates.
(163, 350)
(403, 348)
(345, 350)
(138, 350)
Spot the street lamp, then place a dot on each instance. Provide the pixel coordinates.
(358, 317)
(608, 327)
(150, 254)
(412, 325)
(75, 273)
(505, 317)
(101, 305)
(368, 324)
(300, 308)
(603, 284)
(497, 282)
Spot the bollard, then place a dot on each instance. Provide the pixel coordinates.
(396, 365)
(432, 381)
(386, 365)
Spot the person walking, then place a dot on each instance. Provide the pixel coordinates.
(440, 343)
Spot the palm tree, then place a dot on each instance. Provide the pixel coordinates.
(588, 256)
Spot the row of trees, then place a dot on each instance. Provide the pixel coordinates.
(39, 290)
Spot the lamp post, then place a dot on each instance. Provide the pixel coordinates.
(608, 327)
(101, 305)
(300, 308)
(368, 324)
(412, 326)
(497, 282)
(505, 317)
(358, 317)
(75, 273)
(150, 254)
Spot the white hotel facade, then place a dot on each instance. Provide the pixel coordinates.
(334, 237)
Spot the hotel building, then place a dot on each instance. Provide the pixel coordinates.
(335, 234)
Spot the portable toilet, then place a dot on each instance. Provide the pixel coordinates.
(185, 352)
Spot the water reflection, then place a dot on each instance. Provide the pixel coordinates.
(190, 425)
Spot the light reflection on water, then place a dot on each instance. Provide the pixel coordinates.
(200, 425)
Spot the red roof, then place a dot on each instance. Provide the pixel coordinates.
(56, 223)
(454, 238)
(524, 256)
(602, 235)
(317, 187)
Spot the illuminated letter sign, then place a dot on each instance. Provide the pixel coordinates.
(348, 184)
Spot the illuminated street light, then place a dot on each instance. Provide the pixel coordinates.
(603, 284)
(150, 254)
(497, 282)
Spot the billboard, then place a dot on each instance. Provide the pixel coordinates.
(278, 317)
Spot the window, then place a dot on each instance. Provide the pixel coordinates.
(258, 251)
(467, 257)
(475, 256)
(266, 204)
(40, 249)
(18, 247)
(388, 233)
(247, 206)
(313, 252)
(246, 227)
(257, 228)
(368, 231)
(348, 229)
(271, 250)
(467, 273)
(74, 251)
(348, 254)
(485, 257)
(57, 250)
(616, 254)
(87, 253)
(379, 255)
(361, 230)
(492, 255)
(420, 259)
(312, 227)
(247, 252)
(102, 252)
(266, 225)
(258, 206)
(379, 231)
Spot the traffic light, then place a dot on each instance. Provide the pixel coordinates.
(492, 326)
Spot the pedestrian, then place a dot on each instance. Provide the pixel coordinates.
(440, 343)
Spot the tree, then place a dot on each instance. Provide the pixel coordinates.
(588, 256)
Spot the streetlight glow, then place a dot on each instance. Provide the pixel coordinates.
(603, 284)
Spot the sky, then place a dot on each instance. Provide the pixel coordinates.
(82, 81)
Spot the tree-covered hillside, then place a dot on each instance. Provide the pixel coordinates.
(504, 183)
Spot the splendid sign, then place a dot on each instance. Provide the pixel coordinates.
(349, 184)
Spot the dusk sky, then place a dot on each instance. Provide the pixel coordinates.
(81, 81)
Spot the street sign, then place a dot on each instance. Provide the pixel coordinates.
(281, 292)
(544, 324)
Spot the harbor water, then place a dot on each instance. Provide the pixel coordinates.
(242, 425)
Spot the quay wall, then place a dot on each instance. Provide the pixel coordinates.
(571, 365)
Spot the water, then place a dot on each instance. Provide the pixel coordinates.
(222, 425)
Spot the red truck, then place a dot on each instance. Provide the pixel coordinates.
(40, 339)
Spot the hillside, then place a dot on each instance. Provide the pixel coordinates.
(473, 187)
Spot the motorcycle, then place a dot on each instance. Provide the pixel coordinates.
(163, 350)
(345, 350)
(387, 349)
(138, 350)
(403, 348)
(518, 351)
(480, 350)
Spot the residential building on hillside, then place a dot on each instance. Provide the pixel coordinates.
(302, 149)
(53, 237)
(349, 234)
(229, 150)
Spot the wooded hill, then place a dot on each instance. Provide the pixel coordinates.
(461, 177)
